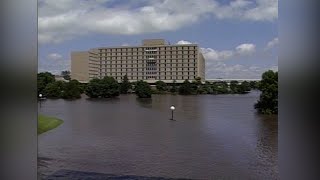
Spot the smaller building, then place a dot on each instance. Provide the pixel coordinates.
(60, 78)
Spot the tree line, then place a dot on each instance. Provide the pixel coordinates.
(108, 87)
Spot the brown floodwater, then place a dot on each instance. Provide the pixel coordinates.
(212, 137)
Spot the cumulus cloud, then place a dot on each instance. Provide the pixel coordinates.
(274, 68)
(245, 49)
(215, 55)
(61, 20)
(272, 43)
(183, 42)
(54, 56)
(235, 71)
(54, 63)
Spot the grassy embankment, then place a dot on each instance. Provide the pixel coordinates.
(46, 123)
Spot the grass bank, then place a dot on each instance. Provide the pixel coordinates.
(46, 123)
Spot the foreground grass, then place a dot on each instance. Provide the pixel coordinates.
(46, 123)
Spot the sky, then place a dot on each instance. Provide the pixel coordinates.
(238, 38)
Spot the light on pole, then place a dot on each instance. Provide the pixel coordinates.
(172, 109)
(40, 96)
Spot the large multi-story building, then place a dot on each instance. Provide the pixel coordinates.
(152, 61)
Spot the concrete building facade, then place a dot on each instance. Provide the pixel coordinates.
(152, 61)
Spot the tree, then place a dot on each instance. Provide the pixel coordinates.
(102, 88)
(220, 87)
(110, 87)
(198, 80)
(268, 101)
(234, 87)
(186, 88)
(94, 88)
(125, 85)
(173, 88)
(66, 75)
(143, 89)
(244, 87)
(55, 89)
(71, 90)
(43, 79)
(253, 84)
(161, 86)
(208, 87)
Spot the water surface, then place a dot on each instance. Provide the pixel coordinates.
(214, 136)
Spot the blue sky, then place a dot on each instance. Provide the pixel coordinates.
(238, 38)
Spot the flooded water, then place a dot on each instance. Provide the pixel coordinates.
(212, 137)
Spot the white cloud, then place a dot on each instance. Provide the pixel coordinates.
(258, 10)
(246, 49)
(61, 20)
(54, 56)
(215, 55)
(265, 10)
(234, 71)
(54, 63)
(272, 43)
(274, 68)
(183, 42)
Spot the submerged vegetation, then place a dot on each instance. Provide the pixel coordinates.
(268, 101)
(108, 87)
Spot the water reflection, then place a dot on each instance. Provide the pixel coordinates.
(144, 102)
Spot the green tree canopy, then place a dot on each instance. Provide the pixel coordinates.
(244, 87)
(186, 88)
(66, 75)
(71, 90)
(125, 85)
(143, 89)
(94, 88)
(43, 79)
(234, 87)
(173, 88)
(161, 86)
(110, 87)
(61, 89)
(198, 80)
(268, 101)
(220, 87)
(55, 89)
(102, 88)
(253, 84)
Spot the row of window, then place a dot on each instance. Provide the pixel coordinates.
(148, 77)
(164, 59)
(141, 69)
(143, 74)
(147, 53)
(148, 48)
(151, 52)
(151, 68)
(142, 66)
(151, 72)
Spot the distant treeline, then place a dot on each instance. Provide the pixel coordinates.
(108, 87)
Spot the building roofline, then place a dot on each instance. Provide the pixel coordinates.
(143, 46)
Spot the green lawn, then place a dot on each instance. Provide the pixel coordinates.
(46, 123)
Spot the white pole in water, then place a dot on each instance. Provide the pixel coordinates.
(172, 109)
(40, 96)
